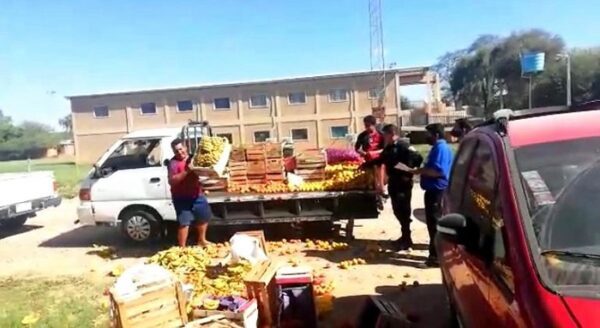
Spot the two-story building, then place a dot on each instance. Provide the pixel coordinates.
(316, 111)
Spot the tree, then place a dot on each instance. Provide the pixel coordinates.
(66, 123)
(489, 70)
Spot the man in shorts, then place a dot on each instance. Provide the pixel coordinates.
(369, 144)
(190, 204)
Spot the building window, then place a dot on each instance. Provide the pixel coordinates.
(296, 98)
(339, 132)
(299, 134)
(148, 108)
(261, 136)
(185, 106)
(373, 93)
(221, 103)
(101, 111)
(227, 136)
(258, 101)
(338, 95)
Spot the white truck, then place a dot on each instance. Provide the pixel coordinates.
(23, 194)
(129, 187)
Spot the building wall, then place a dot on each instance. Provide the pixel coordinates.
(240, 121)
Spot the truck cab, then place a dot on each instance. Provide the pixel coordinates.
(129, 184)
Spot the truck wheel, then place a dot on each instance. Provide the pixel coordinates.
(14, 223)
(139, 225)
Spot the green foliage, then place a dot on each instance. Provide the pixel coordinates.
(28, 140)
(488, 72)
(65, 302)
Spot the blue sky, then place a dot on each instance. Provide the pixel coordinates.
(50, 49)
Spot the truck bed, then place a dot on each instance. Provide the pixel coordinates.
(292, 207)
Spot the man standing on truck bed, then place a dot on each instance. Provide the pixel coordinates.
(190, 203)
(434, 180)
(400, 183)
(369, 144)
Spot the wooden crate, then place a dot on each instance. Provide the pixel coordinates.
(260, 285)
(275, 176)
(274, 165)
(256, 153)
(257, 180)
(273, 150)
(256, 168)
(247, 314)
(160, 305)
(238, 154)
(312, 174)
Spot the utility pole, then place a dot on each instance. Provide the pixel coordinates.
(377, 56)
(567, 59)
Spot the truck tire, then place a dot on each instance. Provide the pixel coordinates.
(140, 225)
(14, 223)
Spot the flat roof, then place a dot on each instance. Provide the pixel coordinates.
(402, 71)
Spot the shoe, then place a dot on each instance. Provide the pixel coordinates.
(432, 262)
(403, 243)
(380, 204)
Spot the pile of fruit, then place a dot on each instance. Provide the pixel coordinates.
(193, 266)
(209, 151)
(271, 187)
(351, 263)
(323, 245)
(348, 177)
(321, 286)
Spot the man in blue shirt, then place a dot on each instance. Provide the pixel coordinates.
(434, 180)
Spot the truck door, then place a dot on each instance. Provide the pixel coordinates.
(133, 173)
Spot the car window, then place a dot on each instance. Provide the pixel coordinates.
(134, 154)
(479, 196)
(459, 171)
(481, 184)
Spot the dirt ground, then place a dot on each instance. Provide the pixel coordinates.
(51, 245)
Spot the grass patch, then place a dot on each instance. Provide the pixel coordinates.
(66, 302)
(68, 175)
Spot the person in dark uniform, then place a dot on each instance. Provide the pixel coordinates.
(400, 182)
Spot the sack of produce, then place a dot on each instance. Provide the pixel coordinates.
(244, 247)
(340, 155)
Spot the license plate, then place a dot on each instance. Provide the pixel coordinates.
(23, 207)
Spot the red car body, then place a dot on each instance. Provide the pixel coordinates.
(498, 268)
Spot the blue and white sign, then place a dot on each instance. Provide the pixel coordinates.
(532, 62)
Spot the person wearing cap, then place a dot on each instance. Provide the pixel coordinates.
(434, 180)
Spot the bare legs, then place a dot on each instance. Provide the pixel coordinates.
(183, 232)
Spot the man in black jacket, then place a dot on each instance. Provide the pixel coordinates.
(400, 182)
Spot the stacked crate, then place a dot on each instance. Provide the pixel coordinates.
(274, 162)
(238, 167)
(310, 165)
(257, 169)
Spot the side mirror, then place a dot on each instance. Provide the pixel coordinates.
(166, 162)
(97, 173)
(452, 227)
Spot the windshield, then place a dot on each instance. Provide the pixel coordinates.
(562, 185)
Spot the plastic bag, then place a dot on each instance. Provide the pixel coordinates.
(247, 248)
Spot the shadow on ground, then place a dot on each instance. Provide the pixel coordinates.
(9, 232)
(424, 305)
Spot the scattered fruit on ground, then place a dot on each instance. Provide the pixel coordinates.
(350, 263)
